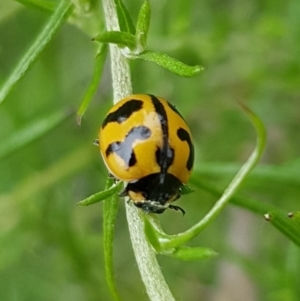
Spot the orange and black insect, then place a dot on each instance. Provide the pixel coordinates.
(145, 142)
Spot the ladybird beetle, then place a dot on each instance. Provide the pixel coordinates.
(145, 142)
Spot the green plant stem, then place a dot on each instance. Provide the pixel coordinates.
(152, 277)
(154, 281)
(110, 210)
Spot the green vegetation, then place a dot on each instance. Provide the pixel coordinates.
(50, 65)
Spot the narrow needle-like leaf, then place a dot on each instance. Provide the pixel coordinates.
(110, 210)
(56, 21)
(125, 21)
(39, 4)
(32, 131)
(168, 63)
(288, 227)
(177, 240)
(143, 24)
(192, 253)
(101, 196)
(123, 39)
(92, 88)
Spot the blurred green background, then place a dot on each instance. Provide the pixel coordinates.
(51, 249)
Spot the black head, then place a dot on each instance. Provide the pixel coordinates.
(155, 192)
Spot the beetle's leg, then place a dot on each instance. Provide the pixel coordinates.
(177, 208)
(96, 142)
(123, 193)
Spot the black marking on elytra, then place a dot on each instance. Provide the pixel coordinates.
(183, 135)
(174, 109)
(165, 154)
(123, 112)
(164, 158)
(132, 160)
(124, 148)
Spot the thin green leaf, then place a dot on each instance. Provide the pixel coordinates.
(179, 239)
(143, 24)
(47, 178)
(287, 175)
(295, 216)
(31, 132)
(110, 210)
(125, 21)
(92, 88)
(169, 63)
(123, 39)
(55, 23)
(185, 189)
(44, 5)
(256, 206)
(192, 254)
(289, 227)
(102, 195)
